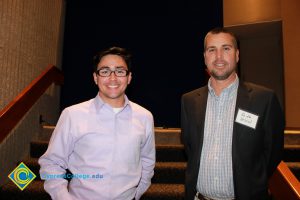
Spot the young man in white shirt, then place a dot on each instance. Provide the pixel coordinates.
(107, 143)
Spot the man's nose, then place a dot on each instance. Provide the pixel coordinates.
(219, 53)
(112, 75)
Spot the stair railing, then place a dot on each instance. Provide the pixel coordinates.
(17, 108)
(283, 184)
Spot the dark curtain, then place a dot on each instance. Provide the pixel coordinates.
(165, 39)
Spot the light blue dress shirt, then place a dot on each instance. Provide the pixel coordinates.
(215, 179)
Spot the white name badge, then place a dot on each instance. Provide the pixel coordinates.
(246, 118)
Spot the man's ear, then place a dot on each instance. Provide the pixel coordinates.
(237, 55)
(204, 57)
(129, 78)
(95, 78)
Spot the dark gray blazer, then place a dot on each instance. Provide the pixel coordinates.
(255, 152)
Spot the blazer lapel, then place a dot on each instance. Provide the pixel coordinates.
(201, 109)
(242, 101)
(243, 98)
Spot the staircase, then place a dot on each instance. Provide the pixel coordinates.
(167, 183)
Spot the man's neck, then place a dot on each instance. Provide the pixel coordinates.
(114, 103)
(220, 85)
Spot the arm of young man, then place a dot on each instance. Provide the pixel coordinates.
(55, 160)
(147, 159)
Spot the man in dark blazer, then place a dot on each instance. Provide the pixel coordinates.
(232, 131)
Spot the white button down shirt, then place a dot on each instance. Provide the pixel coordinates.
(115, 152)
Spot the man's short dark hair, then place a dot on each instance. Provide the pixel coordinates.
(112, 51)
(222, 30)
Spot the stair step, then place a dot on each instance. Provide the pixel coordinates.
(35, 190)
(292, 136)
(167, 136)
(170, 153)
(164, 192)
(169, 172)
(46, 132)
(162, 135)
(291, 153)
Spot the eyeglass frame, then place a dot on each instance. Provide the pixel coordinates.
(112, 71)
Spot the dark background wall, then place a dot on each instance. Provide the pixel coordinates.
(166, 40)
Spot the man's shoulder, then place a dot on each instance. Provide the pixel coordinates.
(136, 108)
(195, 92)
(256, 88)
(80, 107)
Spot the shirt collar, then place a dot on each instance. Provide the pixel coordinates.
(228, 91)
(99, 103)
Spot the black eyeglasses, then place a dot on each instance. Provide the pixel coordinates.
(106, 72)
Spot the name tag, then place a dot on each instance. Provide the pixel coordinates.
(246, 118)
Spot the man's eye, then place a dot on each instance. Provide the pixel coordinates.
(104, 71)
(210, 50)
(120, 71)
(227, 48)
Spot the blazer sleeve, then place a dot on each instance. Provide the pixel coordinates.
(184, 126)
(274, 127)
